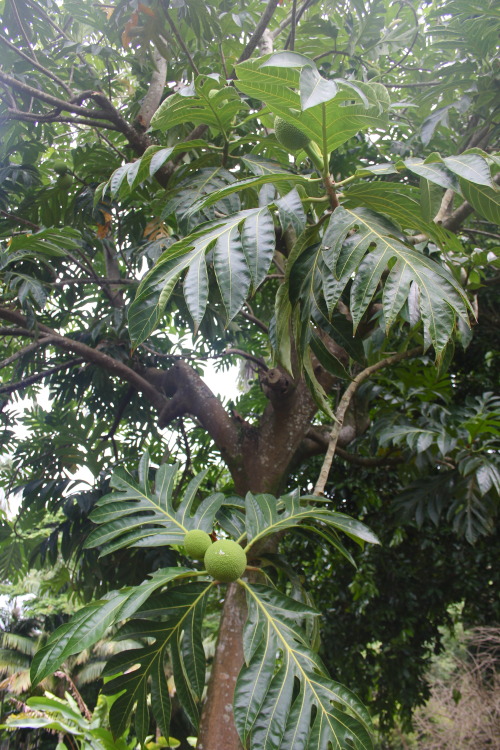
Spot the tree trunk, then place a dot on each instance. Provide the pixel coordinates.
(259, 458)
(217, 728)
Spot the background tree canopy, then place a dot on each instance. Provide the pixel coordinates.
(151, 224)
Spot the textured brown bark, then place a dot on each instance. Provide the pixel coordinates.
(217, 728)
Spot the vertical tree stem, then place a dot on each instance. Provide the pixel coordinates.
(329, 186)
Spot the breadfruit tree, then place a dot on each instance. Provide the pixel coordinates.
(308, 189)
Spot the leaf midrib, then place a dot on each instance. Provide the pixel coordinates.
(291, 652)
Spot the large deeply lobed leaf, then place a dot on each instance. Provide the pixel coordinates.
(135, 517)
(284, 698)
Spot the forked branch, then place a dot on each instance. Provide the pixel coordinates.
(343, 405)
(259, 30)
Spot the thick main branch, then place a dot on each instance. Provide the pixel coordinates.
(96, 357)
(187, 393)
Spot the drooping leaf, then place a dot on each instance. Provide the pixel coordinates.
(278, 178)
(180, 630)
(90, 623)
(258, 241)
(264, 517)
(400, 204)
(269, 712)
(291, 211)
(187, 200)
(128, 177)
(233, 277)
(485, 200)
(314, 89)
(232, 272)
(470, 167)
(48, 243)
(367, 253)
(430, 199)
(433, 170)
(259, 165)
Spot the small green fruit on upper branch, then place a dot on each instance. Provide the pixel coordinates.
(196, 543)
(225, 560)
(293, 139)
(64, 181)
(289, 135)
(59, 166)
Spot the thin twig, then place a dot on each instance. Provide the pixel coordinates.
(412, 44)
(37, 7)
(480, 231)
(37, 65)
(290, 42)
(322, 439)
(179, 38)
(256, 321)
(26, 350)
(343, 405)
(111, 145)
(15, 332)
(245, 355)
(22, 384)
(95, 356)
(355, 458)
(88, 268)
(288, 20)
(15, 114)
(223, 60)
(54, 101)
(187, 465)
(412, 85)
(122, 405)
(342, 53)
(23, 33)
(20, 219)
(76, 694)
(99, 280)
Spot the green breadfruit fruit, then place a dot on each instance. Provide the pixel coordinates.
(225, 560)
(64, 181)
(59, 166)
(196, 543)
(289, 136)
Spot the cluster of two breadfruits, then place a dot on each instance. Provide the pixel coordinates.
(224, 560)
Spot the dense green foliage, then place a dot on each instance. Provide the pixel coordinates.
(152, 224)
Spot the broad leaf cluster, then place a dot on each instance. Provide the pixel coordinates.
(167, 614)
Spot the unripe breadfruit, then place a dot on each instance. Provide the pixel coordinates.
(225, 560)
(59, 166)
(289, 136)
(196, 543)
(64, 181)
